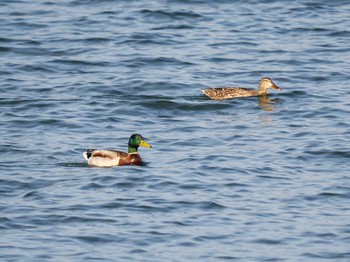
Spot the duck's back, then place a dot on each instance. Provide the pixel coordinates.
(104, 157)
(220, 93)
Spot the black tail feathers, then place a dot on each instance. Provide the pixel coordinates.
(89, 152)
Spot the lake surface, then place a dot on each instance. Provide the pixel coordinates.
(235, 180)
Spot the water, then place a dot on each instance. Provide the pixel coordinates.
(241, 179)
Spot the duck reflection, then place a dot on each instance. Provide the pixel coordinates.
(266, 103)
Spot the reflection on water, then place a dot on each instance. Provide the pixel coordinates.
(266, 103)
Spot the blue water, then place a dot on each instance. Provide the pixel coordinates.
(240, 179)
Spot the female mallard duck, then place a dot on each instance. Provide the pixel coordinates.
(108, 158)
(232, 92)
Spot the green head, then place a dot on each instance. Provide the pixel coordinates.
(135, 141)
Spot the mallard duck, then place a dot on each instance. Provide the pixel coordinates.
(108, 158)
(232, 92)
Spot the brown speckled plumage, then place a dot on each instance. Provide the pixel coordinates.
(220, 93)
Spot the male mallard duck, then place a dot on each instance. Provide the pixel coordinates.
(232, 92)
(108, 158)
